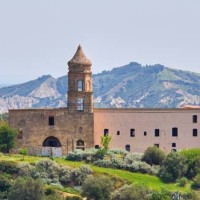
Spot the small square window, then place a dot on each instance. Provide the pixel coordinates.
(106, 132)
(118, 132)
(96, 146)
(132, 132)
(145, 133)
(156, 145)
(195, 132)
(173, 144)
(157, 132)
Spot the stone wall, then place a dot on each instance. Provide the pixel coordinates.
(33, 127)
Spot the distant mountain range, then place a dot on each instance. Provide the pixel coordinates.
(132, 85)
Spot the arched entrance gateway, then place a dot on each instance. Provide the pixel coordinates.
(51, 146)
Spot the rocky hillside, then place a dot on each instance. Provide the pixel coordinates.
(131, 85)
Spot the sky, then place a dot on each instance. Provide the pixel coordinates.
(39, 37)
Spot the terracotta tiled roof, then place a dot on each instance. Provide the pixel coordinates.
(80, 57)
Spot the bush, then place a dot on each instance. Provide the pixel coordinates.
(5, 184)
(154, 156)
(161, 195)
(80, 174)
(100, 154)
(196, 182)
(9, 167)
(173, 167)
(79, 155)
(132, 192)
(98, 188)
(65, 175)
(48, 170)
(132, 157)
(183, 181)
(34, 191)
(73, 198)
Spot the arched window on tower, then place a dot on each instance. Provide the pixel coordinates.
(80, 106)
(80, 85)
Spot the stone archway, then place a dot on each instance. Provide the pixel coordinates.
(51, 146)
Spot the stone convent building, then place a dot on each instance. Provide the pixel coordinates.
(57, 131)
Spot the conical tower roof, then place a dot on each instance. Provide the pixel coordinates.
(80, 57)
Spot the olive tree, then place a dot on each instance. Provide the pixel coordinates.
(7, 137)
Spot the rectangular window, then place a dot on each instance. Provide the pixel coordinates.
(195, 132)
(145, 133)
(194, 118)
(128, 147)
(174, 132)
(132, 132)
(174, 145)
(106, 132)
(118, 132)
(80, 106)
(156, 145)
(157, 132)
(51, 121)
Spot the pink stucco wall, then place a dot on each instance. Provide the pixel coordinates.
(147, 120)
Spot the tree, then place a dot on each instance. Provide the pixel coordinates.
(105, 141)
(173, 167)
(26, 189)
(97, 188)
(154, 155)
(7, 137)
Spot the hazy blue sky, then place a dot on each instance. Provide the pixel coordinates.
(38, 37)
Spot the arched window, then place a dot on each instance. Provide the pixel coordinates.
(80, 85)
(80, 106)
(80, 145)
(51, 142)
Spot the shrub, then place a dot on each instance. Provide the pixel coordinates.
(100, 154)
(80, 174)
(65, 175)
(9, 167)
(73, 198)
(34, 191)
(153, 156)
(183, 181)
(173, 167)
(132, 157)
(98, 188)
(48, 170)
(161, 195)
(196, 182)
(79, 155)
(5, 184)
(23, 151)
(131, 192)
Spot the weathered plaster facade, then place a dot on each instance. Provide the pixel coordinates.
(50, 131)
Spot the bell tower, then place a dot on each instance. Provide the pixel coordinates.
(80, 91)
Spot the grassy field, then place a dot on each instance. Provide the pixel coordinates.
(152, 182)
